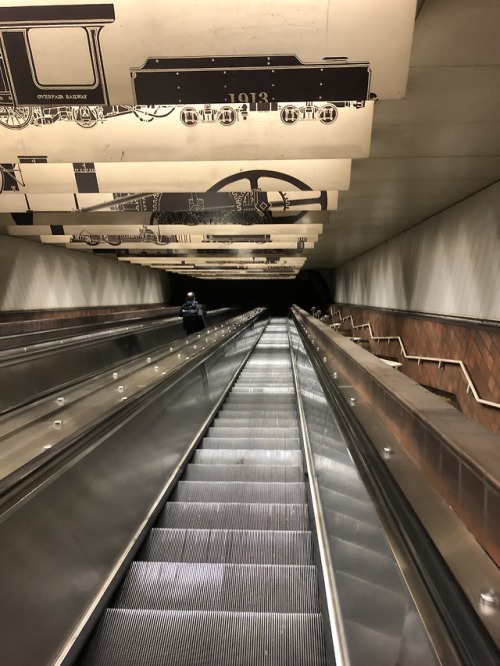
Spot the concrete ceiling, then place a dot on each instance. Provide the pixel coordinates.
(436, 147)
(428, 151)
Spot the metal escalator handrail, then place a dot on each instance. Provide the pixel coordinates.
(15, 354)
(335, 620)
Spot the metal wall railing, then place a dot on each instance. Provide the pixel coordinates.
(420, 359)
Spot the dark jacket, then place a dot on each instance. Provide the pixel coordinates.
(193, 316)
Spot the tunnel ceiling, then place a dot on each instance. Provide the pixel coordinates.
(237, 140)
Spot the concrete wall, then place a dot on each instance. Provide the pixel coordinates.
(35, 276)
(449, 264)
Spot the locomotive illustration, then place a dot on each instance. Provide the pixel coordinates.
(241, 84)
(84, 116)
(149, 235)
(20, 83)
(145, 235)
(289, 113)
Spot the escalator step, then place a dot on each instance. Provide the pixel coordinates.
(250, 516)
(273, 493)
(264, 391)
(267, 423)
(227, 546)
(256, 382)
(238, 411)
(264, 473)
(261, 588)
(246, 457)
(265, 420)
(242, 401)
(259, 443)
(189, 638)
(248, 431)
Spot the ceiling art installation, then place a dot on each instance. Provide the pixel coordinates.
(210, 140)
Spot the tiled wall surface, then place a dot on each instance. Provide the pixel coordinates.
(478, 347)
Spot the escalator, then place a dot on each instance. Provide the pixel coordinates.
(281, 539)
(227, 574)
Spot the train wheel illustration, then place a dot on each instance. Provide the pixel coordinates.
(113, 240)
(148, 113)
(249, 217)
(253, 177)
(85, 116)
(328, 113)
(289, 114)
(189, 116)
(172, 218)
(226, 116)
(15, 117)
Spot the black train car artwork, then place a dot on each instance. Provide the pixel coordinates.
(240, 83)
(264, 79)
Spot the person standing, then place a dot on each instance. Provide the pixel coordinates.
(193, 314)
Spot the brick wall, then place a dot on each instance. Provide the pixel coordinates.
(476, 345)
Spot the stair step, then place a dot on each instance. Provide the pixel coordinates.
(246, 457)
(229, 491)
(249, 516)
(253, 432)
(227, 546)
(260, 588)
(286, 389)
(280, 401)
(258, 443)
(264, 473)
(264, 420)
(267, 410)
(185, 638)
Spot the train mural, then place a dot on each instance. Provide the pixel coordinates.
(19, 117)
(263, 79)
(252, 82)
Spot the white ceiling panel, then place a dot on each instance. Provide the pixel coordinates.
(141, 45)
(294, 130)
(437, 145)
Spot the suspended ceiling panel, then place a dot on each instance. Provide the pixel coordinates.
(382, 135)
(193, 133)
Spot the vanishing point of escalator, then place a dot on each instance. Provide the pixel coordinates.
(226, 576)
